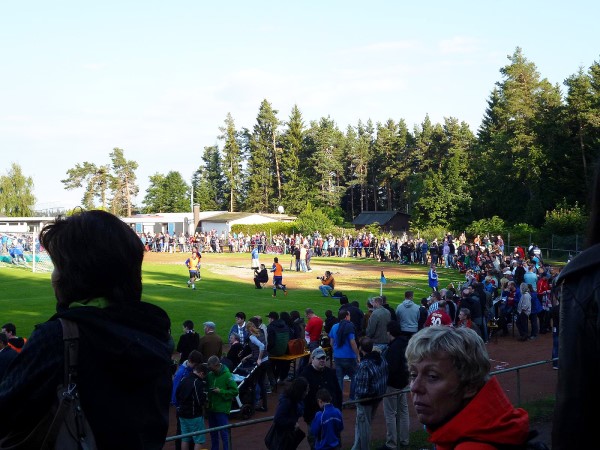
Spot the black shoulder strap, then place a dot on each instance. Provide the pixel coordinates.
(71, 344)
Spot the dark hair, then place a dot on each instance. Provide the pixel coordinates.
(4, 339)
(241, 315)
(366, 344)
(355, 303)
(329, 313)
(195, 357)
(342, 313)
(343, 300)
(285, 316)
(10, 327)
(95, 254)
(294, 315)
(297, 389)
(323, 395)
(188, 324)
(393, 327)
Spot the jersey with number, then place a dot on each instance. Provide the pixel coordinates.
(438, 317)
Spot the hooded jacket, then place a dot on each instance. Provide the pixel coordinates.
(488, 421)
(408, 314)
(124, 376)
(578, 352)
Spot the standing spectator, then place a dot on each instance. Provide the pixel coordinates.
(211, 343)
(260, 357)
(328, 423)
(185, 369)
(239, 327)
(330, 321)
(356, 315)
(345, 350)
(578, 349)
(450, 388)
(191, 397)
(313, 329)
(15, 342)
(371, 381)
(7, 354)
(422, 313)
(395, 408)
(222, 389)
(386, 305)
(123, 341)
(523, 311)
(433, 278)
(255, 263)
(309, 254)
(536, 309)
(289, 410)
(319, 377)
(377, 327)
(408, 314)
(278, 336)
(439, 316)
(303, 267)
(188, 341)
(465, 321)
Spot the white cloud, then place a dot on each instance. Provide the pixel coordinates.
(458, 44)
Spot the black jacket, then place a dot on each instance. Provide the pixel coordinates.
(124, 375)
(191, 396)
(318, 379)
(578, 390)
(397, 365)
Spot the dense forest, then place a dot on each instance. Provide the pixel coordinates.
(531, 160)
(535, 151)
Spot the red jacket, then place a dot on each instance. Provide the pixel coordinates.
(488, 420)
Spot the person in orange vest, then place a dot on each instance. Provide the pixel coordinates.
(193, 264)
(15, 342)
(277, 270)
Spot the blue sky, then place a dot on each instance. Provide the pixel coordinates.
(157, 78)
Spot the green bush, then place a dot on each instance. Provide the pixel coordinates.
(486, 227)
(565, 220)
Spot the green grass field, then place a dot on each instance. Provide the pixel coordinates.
(27, 298)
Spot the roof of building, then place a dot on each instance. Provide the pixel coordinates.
(231, 216)
(381, 217)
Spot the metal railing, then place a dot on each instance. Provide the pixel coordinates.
(397, 394)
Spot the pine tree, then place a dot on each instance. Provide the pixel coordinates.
(232, 162)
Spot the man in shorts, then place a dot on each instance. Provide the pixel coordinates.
(193, 264)
(277, 270)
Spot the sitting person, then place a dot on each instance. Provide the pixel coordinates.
(260, 276)
(450, 386)
(327, 284)
(464, 320)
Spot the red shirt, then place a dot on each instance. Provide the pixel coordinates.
(438, 317)
(313, 328)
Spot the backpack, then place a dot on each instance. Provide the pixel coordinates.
(65, 426)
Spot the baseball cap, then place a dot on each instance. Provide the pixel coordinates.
(318, 353)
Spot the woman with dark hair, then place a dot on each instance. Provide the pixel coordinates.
(124, 356)
(285, 428)
(578, 289)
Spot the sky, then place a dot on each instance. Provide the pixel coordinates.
(157, 78)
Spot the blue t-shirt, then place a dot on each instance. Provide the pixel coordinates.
(345, 351)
